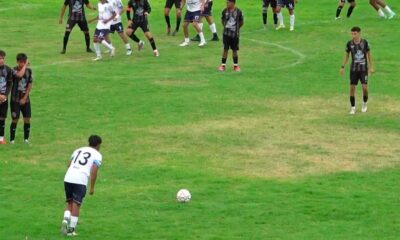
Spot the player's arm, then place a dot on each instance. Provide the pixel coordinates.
(27, 92)
(147, 8)
(93, 177)
(203, 4)
(128, 14)
(93, 19)
(371, 62)
(20, 73)
(89, 5)
(183, 3)
(241, 20)
(63, 8)
(345, 60)
(9, 83)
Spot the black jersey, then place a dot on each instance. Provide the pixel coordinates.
(358, 55)
(6, 76)
(20, 85)
(139, 7)
(232, 21)
(76, 9)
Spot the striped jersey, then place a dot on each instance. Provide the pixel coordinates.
(76, 9)
(358, 52)
(231, 21)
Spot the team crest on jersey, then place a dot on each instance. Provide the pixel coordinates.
(77, 8)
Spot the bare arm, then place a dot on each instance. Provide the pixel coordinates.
(64, 7)
(183, 3)
(371, 62)
(93, 178)
(26, 95)
(345, 60)
(20, 73)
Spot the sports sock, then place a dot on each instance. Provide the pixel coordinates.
(264, 15)
(108, 45)
(213, 28)
(223, 61)
(13, 128)
(97, 49)
(201, 26)
(2, 126)
(128, 46)
(27, 130)
(134, 38)
(87, 40)
(381, 13)
(67, 215)
(187, 40)
(352, 101)
(365, 98)
(349, 11)
(235, 61)
(339, 10)
(66, 37)
(275, 19)
(201, 35)
(168, 21)
(280, 18)
(387, 8)
(153, 43)
(74, 222)
(292, 20)
(178, 23)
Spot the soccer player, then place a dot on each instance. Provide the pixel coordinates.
(20, 100)
(116, 24)
(105, 17)
(6, 75)
(207, 14)
(289, 4)
(141, 10)
(167, 10)
(232, 20)
(85, 162)
(271, 3)
(378, 5)
(76, 16)
(361, 55)
(193, 15)
(340, 7)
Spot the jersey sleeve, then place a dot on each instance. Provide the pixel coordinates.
(30, 79)
(147, 7)
(367, 47)
(98, 160)
(348, 49)
(241, 18)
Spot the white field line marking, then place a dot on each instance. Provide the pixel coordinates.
(300, 55)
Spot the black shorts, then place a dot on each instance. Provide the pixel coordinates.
(349, 1)
(207, 10)
(101, 33)
(358, 76)
(268, 3)
(143, 25)
(231, 43)
(83, 25)
(3, 109)
(74, 192)
(16, 108)
(117, 27)
(170, 3)
(192, 16)
(289, 4)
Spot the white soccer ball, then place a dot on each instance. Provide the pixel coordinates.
(183, 196)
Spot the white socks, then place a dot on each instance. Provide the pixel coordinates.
(127, 46)
(108, 45)
(67, 215)
(74, 222)
(280, 18)
(202, 39)
(98, 53)
(381, 13)
(213, 28)
(292, 18)
(387, 8)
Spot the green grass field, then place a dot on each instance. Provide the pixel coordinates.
(268, 153)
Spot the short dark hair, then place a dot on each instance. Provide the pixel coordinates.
(21, 57)
(2, 53)
(94, 140)
(356, 29)
(233, 1)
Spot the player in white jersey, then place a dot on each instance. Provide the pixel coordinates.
(207, 13)
(105, 17)
(193, 15)
(83, 165)
(116, 24)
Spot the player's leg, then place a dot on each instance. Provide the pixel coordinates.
(364, 82)
(27, 114)
(120, 29)
(15, 112)
(78, 196)
(290, 8)
(377, 8)
(213, 28)
(275, 16)
(279, 15)
(167, 10)
(196, 21)
(235, 57)
(103, 40)
(67, 211)
(96, 44)
(224, 54)
(353, 84)
(352, 6)
(383, 4)
(83, 25)
(149, 36)
(178, 10)
(339, 8)
(3, 117)
(265, 12)
(131, 34)
(187, 21)
(70, 25)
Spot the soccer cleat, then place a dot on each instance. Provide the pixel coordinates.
(222, 68)
(3, 142)
(352, 111)
(63, 51)
(89, 50)
(184, 44)
(337, 18)
(236, 68)
(12, 141)
(291, 28)
(64, 227)
(112, 52)
(128, 52)
(26, 141)
(140, 45)
(72, 234)
(98, 58)
(215, 38)
(364, 107)
(202, 44)
(156, 53)
(175, 33)
(280, 26)
(195, 38)
(391, 15)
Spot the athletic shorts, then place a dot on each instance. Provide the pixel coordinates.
(268, 3)
(207, 10)
(3, 109)
(356, 76)
(170, 3)
(83, 25)
(192, 16)
(289, 4)
(101, 33)
(74, 192)
(231, 43)
(349, 1)
(17, 108)
(143, 25)
(117, 27)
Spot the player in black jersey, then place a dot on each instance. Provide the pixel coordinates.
(76, 16)
(167, 10)
(340, 7)
(266, 4)
(141, 10)
(20, 100)
(359, 71)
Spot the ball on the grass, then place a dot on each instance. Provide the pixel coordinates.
(183, 196)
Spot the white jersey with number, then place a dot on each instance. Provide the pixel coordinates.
(194, 5)
(82, 161)
(118, 9)
(106, 10)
